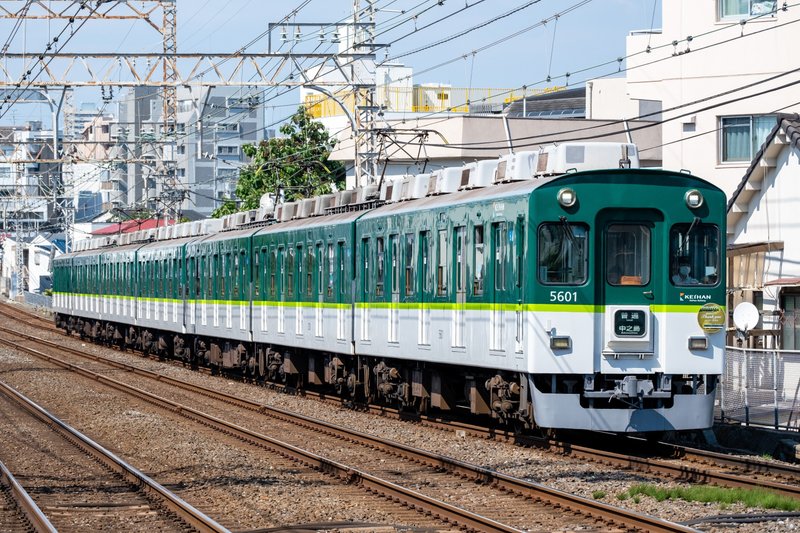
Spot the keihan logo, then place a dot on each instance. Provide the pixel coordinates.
(702, 298)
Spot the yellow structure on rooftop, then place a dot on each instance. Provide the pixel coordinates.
(431, 98)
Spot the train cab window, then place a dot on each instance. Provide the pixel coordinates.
(380, 254)
(694, 254)
(409, 263)
(441, 263)
(563, 257)
(628, 254)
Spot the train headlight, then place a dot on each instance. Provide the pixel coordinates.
(698, 343)
(694, 199)
(560, 343)
(567, 197)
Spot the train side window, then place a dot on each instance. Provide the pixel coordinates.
(309, 271)
(461, 263)
(628, 254)
(563, 255)
(500, 255)
(290, 272)
(409, 263)
(520, 248)
(273, 266)
(236, 277)
(320, 269)
(694, 254)
(223, 274)
(257, 274)
(425, 246)
(343, 287)
(441, 263)
(331, 264)
(478, 261)
(380, 275)
(395, 263)
(364, 267)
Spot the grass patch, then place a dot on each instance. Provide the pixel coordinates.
(599, 494)
(708, 494)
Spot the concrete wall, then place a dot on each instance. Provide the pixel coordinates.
(774, 215)
(722, 55)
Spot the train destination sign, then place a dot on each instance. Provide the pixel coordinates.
(629, 323)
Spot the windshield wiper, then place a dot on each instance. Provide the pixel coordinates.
(567, 229)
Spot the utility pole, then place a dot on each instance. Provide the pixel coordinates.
(364, 90)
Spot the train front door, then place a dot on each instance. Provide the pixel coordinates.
(631, 278)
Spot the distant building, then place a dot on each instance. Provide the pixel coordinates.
(213, 125)
(35, 275)
(28, 188)
(763, 248)
(707, 52)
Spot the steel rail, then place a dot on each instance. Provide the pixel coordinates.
(527, 489)
(648, 465)
(37, 519)
(183, 510)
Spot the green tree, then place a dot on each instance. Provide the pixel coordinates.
(295, 165)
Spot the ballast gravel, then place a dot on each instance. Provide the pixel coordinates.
(575, 476)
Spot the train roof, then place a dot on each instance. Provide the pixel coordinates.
(494, 192)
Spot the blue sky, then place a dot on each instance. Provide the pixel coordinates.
(592, 33)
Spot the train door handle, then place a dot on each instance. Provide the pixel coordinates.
(649, 295)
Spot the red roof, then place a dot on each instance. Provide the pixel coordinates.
(129, 226)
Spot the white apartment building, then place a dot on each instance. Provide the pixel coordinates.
(694, 74)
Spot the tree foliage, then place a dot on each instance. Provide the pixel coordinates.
(294, 166)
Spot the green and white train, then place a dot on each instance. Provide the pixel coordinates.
(585, 300)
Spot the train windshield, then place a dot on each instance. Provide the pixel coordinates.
(563, 254)
(694, 254)
(628, 254)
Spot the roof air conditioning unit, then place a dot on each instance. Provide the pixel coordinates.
(447, 181)
(288, 211)
(322, 203)
(306, 208)
(516, 167)
(481, 173)
(587, 156)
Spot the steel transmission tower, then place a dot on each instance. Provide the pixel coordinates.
(366, 146)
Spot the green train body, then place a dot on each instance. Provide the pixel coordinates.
(563, 301)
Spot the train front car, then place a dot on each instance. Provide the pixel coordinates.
(628, 328)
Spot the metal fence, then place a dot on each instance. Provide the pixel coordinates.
(761, 387)
(39, 300)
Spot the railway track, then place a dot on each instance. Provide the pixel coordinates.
(81, 485)
(18, 512)
(681, 463)
(431, 483)
(703, 466)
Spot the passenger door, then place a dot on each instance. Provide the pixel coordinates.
(631, 277)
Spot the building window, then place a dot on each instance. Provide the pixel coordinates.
(742, 136)
(227, 150)
(729, 9)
